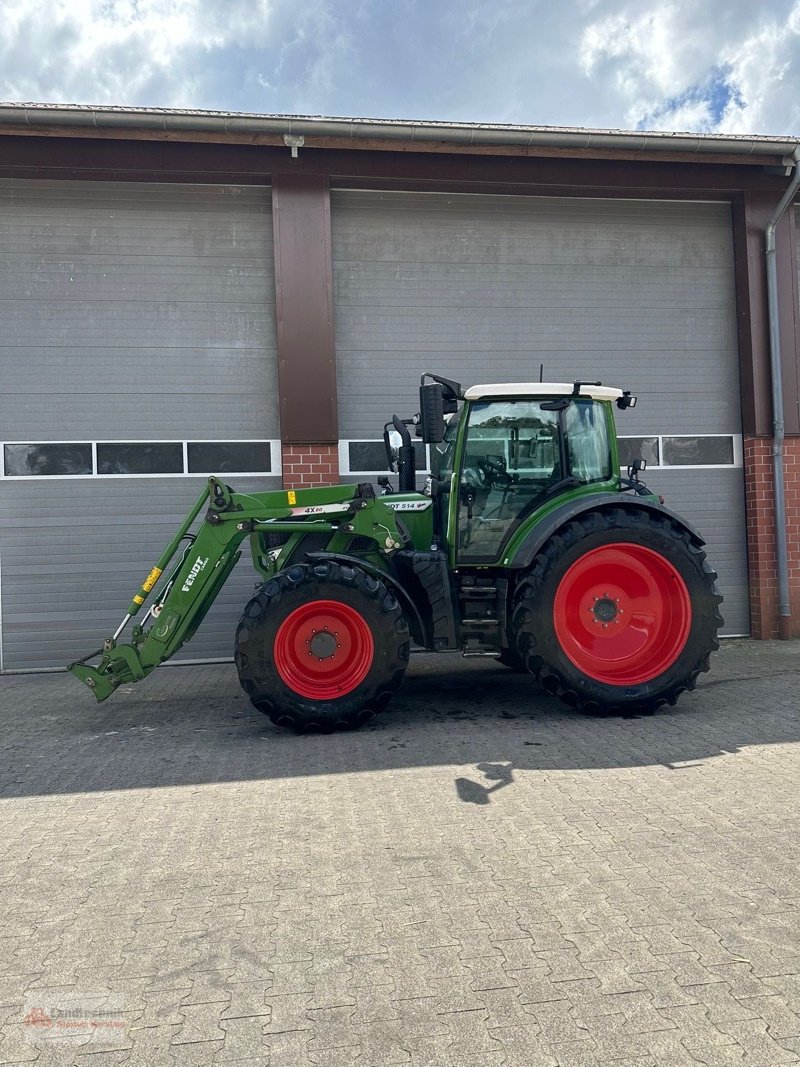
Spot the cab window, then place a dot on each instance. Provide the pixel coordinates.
(512, 456)
(588, 446)
(442, 452)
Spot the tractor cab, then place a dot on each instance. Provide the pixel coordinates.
(511, 450)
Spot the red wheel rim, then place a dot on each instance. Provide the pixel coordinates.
(324, 650)
(622, 614)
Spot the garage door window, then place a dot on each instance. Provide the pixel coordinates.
(155, 458)
(46, 460)
(78, 459)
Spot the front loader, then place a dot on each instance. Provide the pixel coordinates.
(525, 544)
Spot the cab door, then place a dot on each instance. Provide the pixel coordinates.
(512, 454)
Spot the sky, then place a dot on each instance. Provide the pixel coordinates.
(690, 65)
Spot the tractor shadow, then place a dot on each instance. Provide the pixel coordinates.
(190, 725)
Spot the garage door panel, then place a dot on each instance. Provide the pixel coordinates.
(528, 230)
(144, 279)
(500, 285)
(78, 370)
(488, 288)
(714, 408)
(97, 541)
(131, 312)
(485, 328)
(127, 417)
(707, 498)
(129, 218)
(167, 323)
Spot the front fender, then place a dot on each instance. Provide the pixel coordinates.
(355, 561)
(543, 530)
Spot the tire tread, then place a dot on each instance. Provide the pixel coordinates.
(614, 520)
(282, 706)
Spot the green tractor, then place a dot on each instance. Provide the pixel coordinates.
(525, 544)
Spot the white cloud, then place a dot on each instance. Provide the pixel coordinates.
(636, 50)
(765, 69)
(723, 65)
(112, 51)
(682, 65)
(694, 115)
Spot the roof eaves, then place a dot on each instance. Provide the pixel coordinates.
(161, 120)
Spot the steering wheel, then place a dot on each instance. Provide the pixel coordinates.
(473, 478)
(494, 471)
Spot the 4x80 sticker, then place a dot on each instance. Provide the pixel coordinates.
(321, 509)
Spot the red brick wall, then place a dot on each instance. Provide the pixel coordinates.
(310, 465)
(759, 503)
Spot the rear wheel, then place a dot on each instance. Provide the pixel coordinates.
(619, 613)
(322, 647)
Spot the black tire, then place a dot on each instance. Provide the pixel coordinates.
(370, 607)
(543, 628)
(510, 658)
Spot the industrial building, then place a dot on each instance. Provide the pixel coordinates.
(186, 293)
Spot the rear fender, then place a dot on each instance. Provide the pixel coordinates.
(543, 530)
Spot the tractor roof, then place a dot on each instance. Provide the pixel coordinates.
(533, 389)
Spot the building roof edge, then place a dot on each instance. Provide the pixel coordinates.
(160, 120)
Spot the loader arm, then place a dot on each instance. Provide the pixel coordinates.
(198, 573)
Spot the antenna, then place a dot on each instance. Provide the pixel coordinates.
(541, 372)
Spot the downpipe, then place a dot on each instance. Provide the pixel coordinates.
(778, 425)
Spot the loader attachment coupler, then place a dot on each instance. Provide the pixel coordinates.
(121, 662)
(100, 680)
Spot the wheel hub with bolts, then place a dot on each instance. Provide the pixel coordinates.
(605, 609)
(322, 644)
(622, 613)
(323, 649)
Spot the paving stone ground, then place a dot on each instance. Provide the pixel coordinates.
(479, 878)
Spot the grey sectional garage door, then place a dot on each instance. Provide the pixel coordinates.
(137, 353)
(639, 294)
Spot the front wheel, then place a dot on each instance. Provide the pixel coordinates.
(510, 658)
(619, 613)
(322, 647)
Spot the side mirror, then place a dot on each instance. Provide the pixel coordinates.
(392, 442)
(431, 413)
(638, 465)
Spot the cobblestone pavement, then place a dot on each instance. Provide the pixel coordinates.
(479, 878)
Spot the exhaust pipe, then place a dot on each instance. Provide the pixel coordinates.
(406, 458)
